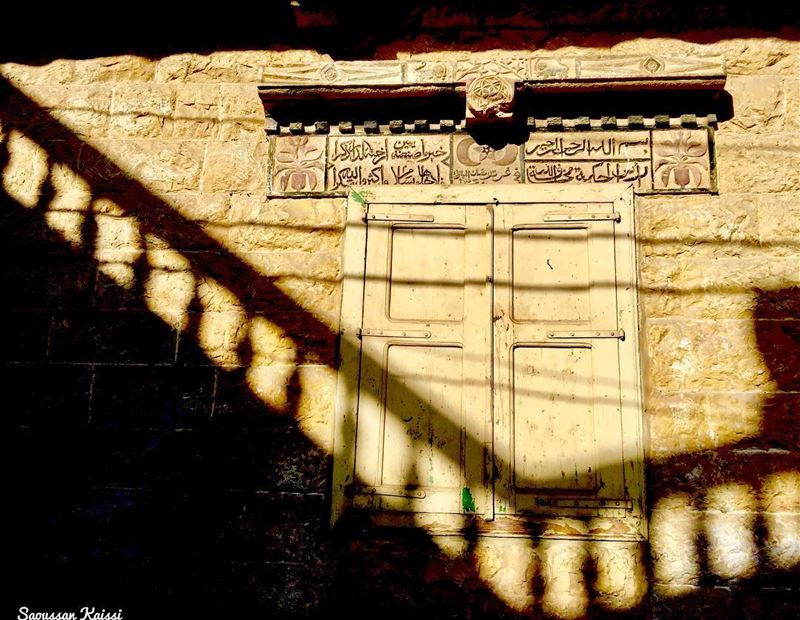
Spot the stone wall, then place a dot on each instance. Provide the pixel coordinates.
(169, 357)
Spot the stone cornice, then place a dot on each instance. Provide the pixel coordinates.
(490, 85)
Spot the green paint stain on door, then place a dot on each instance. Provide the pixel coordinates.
(467, 503)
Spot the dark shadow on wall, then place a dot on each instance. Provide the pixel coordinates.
(143, 476)
(357, 29)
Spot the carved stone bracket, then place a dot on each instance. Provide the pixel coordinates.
(490, 85)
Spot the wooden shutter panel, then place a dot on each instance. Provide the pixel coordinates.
(563, 301)
(489, 361)
(425, 342)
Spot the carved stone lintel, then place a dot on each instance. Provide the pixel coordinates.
(490, 84)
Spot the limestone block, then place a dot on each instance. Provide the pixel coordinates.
(565, 592)
(759, 104)
(142, 110)
(232, 67)
(697, 356)
(269, 343)
(733, 418)
(255, 238)
(220, 336)
(59, 71)
(699, 226)
(697, 304)
(72, 191)
(197, 111)
(146, 397)
(758, 163)
(315, 405)
(215, 296)
(782, 540)
(322, 299)
(779, 223)
(677, 423)
(242, 114)
(112, 336)
(792, 110)
(21, 75)
(621, 583)
(302, 213)
(27, 169)
(168, 294)
(780, 492)
(674, 532)
(321, 266)
(760, 56)
(671, 601)
(68, 224)
(202, 207)
(160, 165)
(508, 566)
(83, 109)
(717, 276)
(271, 385)
(728, 529)
(117, 238)
(236, 166)
(114, 69)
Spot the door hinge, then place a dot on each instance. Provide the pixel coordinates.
(399, 217)
(390, 491)
(608, 333)
(393, 333)
(582, 217)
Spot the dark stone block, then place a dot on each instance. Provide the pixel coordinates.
(152, 397)
(137, 337)
(25, 335)
(51, 396)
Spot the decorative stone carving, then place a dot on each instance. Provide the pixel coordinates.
(654, 161)
(490, 84)
(515, 69)
(681, 160)
(490, 97)
(478, 163)
(552, 69)
(394, 160)
(643, 67)
(579, 157)
(299, 164)
(429, 72)
(335, 73)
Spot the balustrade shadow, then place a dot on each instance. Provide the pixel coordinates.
(128, 490)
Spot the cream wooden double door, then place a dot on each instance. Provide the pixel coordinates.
(489, 354)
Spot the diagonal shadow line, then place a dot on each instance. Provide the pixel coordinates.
(156, 216)
(182, 235)
(423, 539)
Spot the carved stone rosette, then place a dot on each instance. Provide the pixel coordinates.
(490, 97)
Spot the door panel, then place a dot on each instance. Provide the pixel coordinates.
(558, 431)
(553, 422)
(493, 372)
(421, 443)
(426, 276)
(552, 260)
